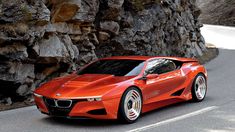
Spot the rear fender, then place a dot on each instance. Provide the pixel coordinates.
(191, 70)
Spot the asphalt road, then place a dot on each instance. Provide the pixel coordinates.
(215, 114)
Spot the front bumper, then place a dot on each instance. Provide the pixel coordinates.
(105, 109)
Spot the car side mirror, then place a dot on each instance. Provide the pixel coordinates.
(151, 76)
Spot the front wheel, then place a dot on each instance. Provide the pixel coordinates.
(130, 106)
(199, 88)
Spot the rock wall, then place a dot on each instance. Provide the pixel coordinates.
(217, 12)
(41, 39)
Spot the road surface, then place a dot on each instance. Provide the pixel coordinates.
(215, 114)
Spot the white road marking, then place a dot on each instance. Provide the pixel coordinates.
(144, 128)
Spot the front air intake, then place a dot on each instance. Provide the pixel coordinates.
(58, 103)
(50, 102)
(63, 103)
(60, 107)
(97, 112)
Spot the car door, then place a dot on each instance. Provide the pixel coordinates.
(169, 78)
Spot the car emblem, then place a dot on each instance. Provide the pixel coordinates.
(58, 94)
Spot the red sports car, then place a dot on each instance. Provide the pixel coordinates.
(123, 87)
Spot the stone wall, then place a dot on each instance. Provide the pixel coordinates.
(41, 39)
(217, 12)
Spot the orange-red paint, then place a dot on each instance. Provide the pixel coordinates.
(156, 92)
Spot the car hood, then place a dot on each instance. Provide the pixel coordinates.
(76, 86)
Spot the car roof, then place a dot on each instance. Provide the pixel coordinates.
(128, 58)
(144, 58)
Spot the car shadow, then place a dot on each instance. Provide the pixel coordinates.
(109, 123)
(80, 122)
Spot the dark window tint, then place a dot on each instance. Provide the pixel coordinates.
(160, 66)
(114, 67)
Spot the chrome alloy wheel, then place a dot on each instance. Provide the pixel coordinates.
(200, 87)
(132, 105)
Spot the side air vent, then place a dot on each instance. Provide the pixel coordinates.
(178, 93)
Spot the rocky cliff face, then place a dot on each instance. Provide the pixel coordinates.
(40, 39)
(217, 12)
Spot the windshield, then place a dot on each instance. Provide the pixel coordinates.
(114, 67)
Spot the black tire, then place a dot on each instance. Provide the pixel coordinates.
(195, 98)
(122, 116)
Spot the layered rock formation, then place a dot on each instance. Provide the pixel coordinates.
(40, 39)
(217, 12)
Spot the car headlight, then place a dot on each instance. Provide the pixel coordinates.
(37, 95)
(94, 99)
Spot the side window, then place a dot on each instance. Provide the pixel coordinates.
(160, 66)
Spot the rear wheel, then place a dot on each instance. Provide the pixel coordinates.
(130, 106)
(199, 88)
